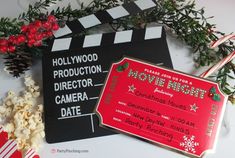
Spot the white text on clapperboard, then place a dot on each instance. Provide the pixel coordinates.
(74, 84)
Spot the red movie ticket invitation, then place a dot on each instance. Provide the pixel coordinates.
(169, 108)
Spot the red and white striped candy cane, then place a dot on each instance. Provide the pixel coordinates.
(218, 65)
(31, 153)
(224, 61)
(8, 149)
(222, 40)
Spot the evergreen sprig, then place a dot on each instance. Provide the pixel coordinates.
(35, 11)
(181, 18)
(9, 26)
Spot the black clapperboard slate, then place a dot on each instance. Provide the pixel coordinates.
(71, 119)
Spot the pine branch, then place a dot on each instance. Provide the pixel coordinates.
(183, 20)
(35, 11)
(9, 27)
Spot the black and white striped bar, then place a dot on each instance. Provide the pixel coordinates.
(102, 17)
(95, 40)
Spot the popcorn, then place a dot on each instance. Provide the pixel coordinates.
(9, 127)
(21, 143)
(32, 124)
(40, 108)
(28, 81)
(8, 103)
(2, 109)
(22, 118)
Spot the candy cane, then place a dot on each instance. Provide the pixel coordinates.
(218, 65)
(30, 153)
(224, 61)
(222, 40)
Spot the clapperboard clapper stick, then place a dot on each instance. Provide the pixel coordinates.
(106, 16)
(74, 71)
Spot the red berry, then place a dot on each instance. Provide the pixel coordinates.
(31, 42)
(21, 39)
(38, 43)
(39, 36)
(33, 30)
(44, 34)
(30, 26)
(30, 36)
(38, 23)
(49, 33)
(3, 49)
(11, 48)
(55, 27)
(3, 42)
(51, 18)
(24, 28)
(210, 94)
(12, 39)
(47, 25)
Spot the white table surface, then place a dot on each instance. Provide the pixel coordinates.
(120, 145)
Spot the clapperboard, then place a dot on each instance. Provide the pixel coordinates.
(75, 68)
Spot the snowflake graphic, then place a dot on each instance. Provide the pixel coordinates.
(189, 144)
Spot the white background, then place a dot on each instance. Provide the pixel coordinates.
(119, 145)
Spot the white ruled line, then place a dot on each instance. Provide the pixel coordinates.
(92, 124)
(160, 64)
(92, 98)
(68, 117)
(101, 84)
(105, 71)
